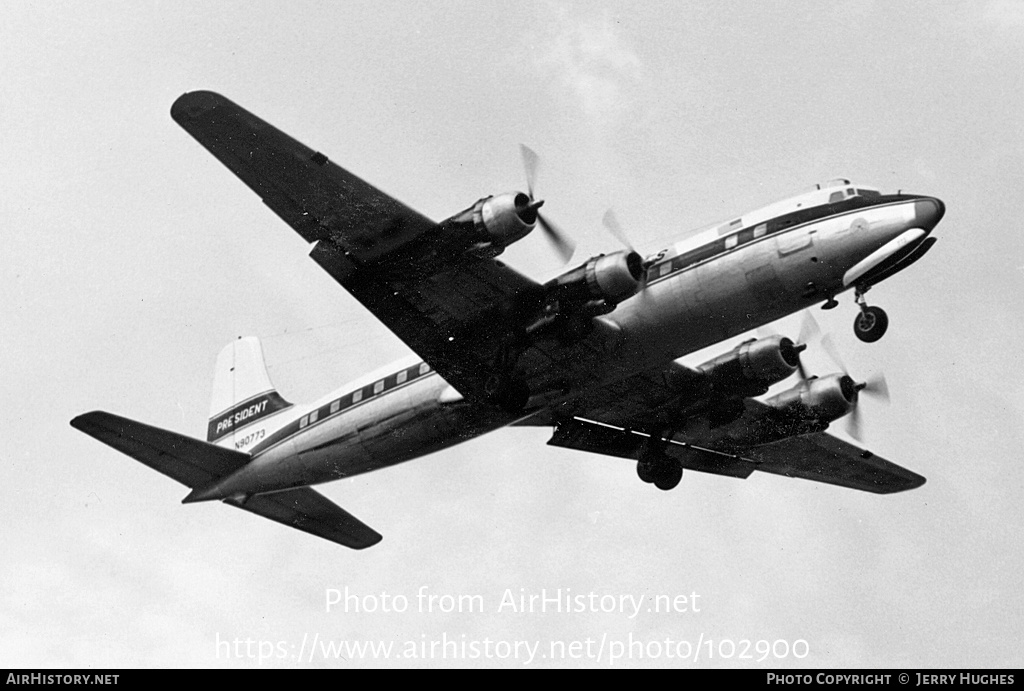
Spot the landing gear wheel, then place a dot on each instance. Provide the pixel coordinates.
(669, 475)
(645, 470)
(511, 395)
(871, 324)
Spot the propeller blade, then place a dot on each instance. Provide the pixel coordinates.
(877, 387)
(829, 347)
(853, 423)
(808, 328)
(559, 240)
(801, 371)
(615, 228)
(531, 161)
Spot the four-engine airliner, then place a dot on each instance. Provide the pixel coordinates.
(592, 353)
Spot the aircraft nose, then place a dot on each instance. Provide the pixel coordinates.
(928, 212)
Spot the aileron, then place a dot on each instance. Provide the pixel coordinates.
(317, 198)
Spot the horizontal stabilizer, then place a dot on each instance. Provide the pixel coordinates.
(191, 462)
(312, 512)
(197, 463)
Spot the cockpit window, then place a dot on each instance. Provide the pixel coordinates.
(869, 193)
(835, 197)
(849, 191)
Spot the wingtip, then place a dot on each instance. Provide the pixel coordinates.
(370, 542)
(79, 421)
(193, 104)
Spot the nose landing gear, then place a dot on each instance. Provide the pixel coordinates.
(872, 322)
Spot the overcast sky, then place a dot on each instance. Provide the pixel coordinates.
(131, 256)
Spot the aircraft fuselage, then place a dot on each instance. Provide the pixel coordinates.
(720, 283)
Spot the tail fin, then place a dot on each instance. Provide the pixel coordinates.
(242, 392)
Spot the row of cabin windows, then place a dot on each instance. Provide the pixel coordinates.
(837, 196)
(357, 396)
(712, 249)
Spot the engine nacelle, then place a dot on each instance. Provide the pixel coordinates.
(505, 218)
(820, 401)
(754, 365)
(606, 279)
(486, 228)
(804, 409)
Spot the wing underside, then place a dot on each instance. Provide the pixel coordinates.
(319, 199)
(195, 464)
(819, 457)
(455, 311)
(624, 418)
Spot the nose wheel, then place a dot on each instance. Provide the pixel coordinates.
(872, 322)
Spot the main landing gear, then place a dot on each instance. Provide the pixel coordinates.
(656, 467)
(872, 322)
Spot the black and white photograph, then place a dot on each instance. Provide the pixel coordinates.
(551, 334)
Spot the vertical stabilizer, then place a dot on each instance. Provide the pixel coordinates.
(242, 394)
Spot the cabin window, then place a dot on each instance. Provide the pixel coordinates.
(357, 396)
(424, 368)
(731, 241)
(760, 230)
(664, 269)
(378, 387)
(304, 421)
(314, 415)
(731, 226)
(335, 407)
(402, 376)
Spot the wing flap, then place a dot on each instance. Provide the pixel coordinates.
(191, 462)
(309, 511)
(608, 441)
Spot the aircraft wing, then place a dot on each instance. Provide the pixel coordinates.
(455, 313)
(602, 422)
(641, 401)
(317, 198)
(609, 441)
(196, 463)
(819, 457)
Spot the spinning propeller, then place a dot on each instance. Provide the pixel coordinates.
(874, 387)
(615, 228)
(611, 223)
(559, 240)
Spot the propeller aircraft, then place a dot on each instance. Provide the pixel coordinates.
(592, 354)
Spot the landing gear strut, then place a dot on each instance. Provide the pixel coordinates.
(872, 322)
(503, 389)
(657, 468)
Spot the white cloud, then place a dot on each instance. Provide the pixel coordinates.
(1007, 14)
(591, 59)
